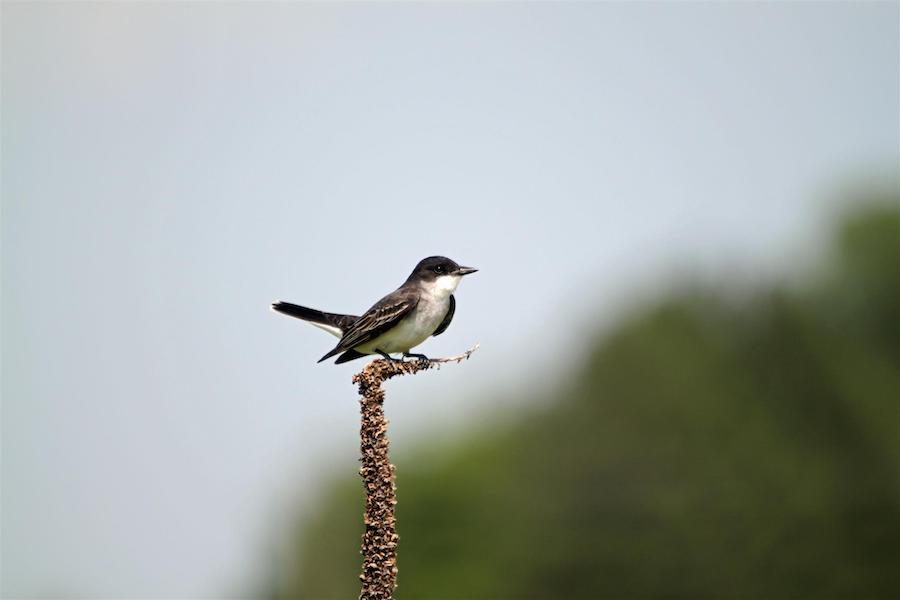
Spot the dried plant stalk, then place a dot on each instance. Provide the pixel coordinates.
(379, 542)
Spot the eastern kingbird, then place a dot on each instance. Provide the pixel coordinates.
(423, 306)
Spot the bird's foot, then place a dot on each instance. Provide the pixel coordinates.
(387, 356)
(418, 356)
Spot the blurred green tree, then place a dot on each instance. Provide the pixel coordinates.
(708, 448)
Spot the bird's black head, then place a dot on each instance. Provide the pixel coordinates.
(434, 267)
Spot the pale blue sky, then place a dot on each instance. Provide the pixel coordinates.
(168, 169)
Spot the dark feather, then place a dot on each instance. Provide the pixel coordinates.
(348, 356)
(342, 322)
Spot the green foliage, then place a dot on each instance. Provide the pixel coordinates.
(707, 449)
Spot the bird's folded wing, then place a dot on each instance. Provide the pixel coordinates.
(378, 319)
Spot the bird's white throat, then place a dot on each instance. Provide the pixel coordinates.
(442, 287)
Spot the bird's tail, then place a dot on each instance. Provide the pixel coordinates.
(331, 322)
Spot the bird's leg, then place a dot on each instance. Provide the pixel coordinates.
(388, 356)
(414, 355)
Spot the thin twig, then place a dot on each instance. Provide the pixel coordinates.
(458, 358)
(379, 542)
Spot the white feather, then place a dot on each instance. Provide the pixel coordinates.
(335, 331)
(443, 286)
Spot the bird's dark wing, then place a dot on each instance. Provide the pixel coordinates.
(449, 317)
(385, 314)
(378, 319)
(348, 356)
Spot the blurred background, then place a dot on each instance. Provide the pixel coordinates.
(687, 221)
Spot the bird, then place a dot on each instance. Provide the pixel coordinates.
(420, 308)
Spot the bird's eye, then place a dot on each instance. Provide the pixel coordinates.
(439, 269)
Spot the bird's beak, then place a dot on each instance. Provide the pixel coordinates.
(465, 270)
